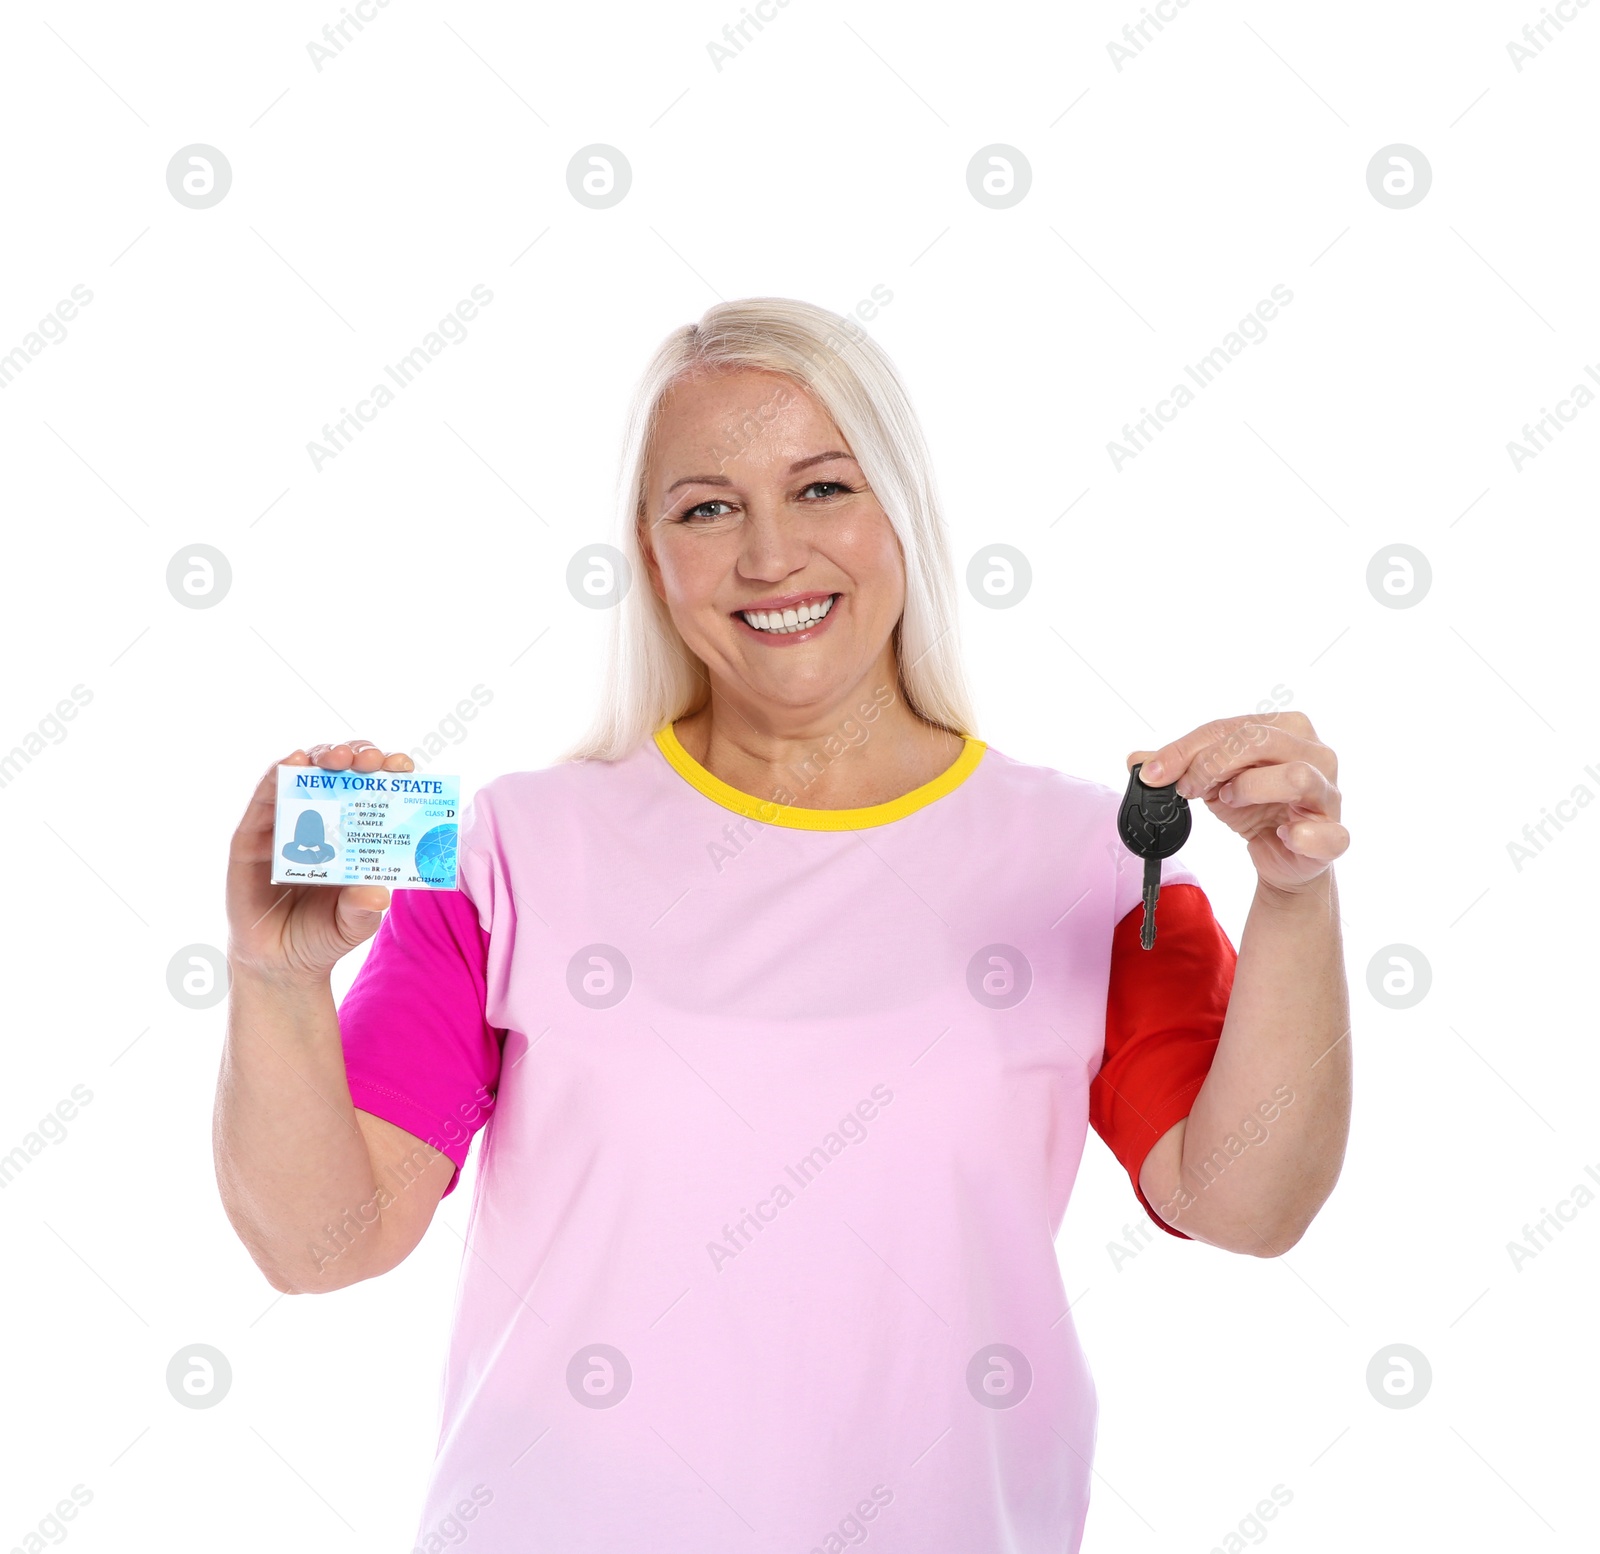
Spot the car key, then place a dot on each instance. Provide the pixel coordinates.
(1153, 823)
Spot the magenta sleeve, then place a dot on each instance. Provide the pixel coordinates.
(418, 1049)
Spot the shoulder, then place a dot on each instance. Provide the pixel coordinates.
(1029, 784)
(1075, 815)
(523, 829)
(563, 779)
(551, 796)
(1055, 820)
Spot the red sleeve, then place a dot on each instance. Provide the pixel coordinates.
(1164, 1013)
(418, 1048)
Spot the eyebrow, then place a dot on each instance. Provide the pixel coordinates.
(795, 468)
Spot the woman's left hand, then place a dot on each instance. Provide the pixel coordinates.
(1269, 778)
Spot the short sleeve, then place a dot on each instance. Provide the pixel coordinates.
(418, 1048)
(1164, 1012)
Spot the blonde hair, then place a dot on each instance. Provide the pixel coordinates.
(652, 676)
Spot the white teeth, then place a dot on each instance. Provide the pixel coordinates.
(797, 618)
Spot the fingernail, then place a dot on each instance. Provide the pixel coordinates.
(1150, 772)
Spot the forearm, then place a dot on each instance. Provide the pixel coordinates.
(1265, 1139)
(291, 1159)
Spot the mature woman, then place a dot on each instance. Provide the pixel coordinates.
(791, 1002)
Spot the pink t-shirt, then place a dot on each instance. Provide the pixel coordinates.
(784, 1108)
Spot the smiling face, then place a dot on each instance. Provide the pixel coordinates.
(779, 568)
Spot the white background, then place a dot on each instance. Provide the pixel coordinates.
(1230, 558)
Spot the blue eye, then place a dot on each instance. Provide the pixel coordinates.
(838, 487)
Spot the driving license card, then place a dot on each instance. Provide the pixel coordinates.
(365, 828)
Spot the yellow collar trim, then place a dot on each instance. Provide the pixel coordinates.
(769, 812)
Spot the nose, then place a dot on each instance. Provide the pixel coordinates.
(774, 544)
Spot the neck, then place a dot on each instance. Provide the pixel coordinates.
(866, 748)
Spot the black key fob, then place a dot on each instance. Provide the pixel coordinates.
(1152, 822)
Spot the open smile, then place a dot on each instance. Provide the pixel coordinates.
(787, 621)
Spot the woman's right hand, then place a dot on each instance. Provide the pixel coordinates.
(298, 932)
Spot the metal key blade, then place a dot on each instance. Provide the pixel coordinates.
(1153, 822)
(1152, 889)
